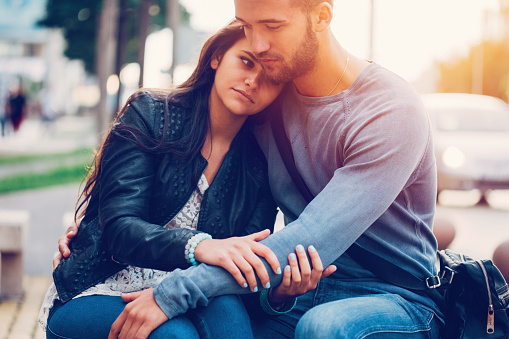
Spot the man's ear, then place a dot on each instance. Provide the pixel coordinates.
(214, 63)
(323, 16)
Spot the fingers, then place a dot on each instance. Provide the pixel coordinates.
(143, 332)
(305, 268)
(258, 236)
(56, 259)
(287, 277)
(63, 246)
(265, 252)
(316, 274)
(328, 271)
(128, 297)
(117, 325)
(64, 241)
(254, 264)
(234, 270)
(71, 231)
(295, 271)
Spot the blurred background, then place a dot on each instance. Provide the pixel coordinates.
(67, 66)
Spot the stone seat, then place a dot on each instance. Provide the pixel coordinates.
(13, 229)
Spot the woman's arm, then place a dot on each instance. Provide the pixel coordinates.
(124, 188)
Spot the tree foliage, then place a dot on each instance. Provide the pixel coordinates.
(79, 21)
(457, 75)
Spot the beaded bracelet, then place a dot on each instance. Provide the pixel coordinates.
(191, 246)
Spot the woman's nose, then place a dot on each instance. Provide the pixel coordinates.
(253, 79)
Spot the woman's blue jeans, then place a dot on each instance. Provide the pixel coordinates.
(339, 309)
(92, 317)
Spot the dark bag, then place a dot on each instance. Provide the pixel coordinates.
(473, 293)
(476, 297)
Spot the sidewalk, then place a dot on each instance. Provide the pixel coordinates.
(63, 135)
(18, 319)
(47, 207)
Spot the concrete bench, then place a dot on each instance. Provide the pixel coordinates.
(13, 229)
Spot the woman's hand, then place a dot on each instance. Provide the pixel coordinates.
(140, 316)
(298, 277)
(63, 244)
(239, 255)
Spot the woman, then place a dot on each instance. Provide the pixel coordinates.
(184, 160)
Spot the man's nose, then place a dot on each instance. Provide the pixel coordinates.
(258, 42)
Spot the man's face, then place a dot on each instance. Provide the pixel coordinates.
(280, 35)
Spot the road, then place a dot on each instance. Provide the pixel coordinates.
(479, 229)
(47, 207)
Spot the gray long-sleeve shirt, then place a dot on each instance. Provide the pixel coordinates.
(367, 155)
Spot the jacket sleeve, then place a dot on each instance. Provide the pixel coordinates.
(125, 187)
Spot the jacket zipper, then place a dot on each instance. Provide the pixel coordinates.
(490, 326)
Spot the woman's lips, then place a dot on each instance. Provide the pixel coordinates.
(247, 96)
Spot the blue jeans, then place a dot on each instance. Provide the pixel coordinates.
(92, 317)
(353, 310)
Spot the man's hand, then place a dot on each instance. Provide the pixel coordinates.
(239, 256)
(140, 317)
(63, 244)
(298, 277)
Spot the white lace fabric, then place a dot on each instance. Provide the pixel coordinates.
(132, 279)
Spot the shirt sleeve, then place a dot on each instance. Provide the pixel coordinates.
(382, 155)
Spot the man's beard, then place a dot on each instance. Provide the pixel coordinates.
(301, 62)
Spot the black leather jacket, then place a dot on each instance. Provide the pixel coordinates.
(138, 192)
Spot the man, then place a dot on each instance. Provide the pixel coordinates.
(361, 141)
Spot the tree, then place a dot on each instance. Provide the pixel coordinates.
(457, 75)
(79, 21)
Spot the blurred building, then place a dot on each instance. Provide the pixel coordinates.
(496, 22)
(35, 55)
(504, 15)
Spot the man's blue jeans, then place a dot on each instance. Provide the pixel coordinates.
(353, 310)
(92, 317)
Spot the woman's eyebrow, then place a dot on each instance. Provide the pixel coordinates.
(250, 54)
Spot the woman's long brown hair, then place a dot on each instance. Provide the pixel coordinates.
(193, 95)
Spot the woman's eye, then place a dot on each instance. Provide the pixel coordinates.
(247, 62)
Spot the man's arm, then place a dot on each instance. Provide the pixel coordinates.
(382, 156)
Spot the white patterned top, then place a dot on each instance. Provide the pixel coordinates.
(131, 278)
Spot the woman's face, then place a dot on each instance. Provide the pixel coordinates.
(240, 85)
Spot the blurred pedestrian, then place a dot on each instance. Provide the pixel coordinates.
(3, 107)
(17, 107)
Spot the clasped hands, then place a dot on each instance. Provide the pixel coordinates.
(239, 256)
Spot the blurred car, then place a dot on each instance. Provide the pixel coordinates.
(471, 138)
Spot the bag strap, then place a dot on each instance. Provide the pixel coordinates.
(381, 267)
(285, 150)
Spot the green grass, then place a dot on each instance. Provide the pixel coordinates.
(55, 176)
(17, 159)
(66, 168)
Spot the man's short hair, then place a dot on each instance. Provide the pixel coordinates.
(308, 5)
